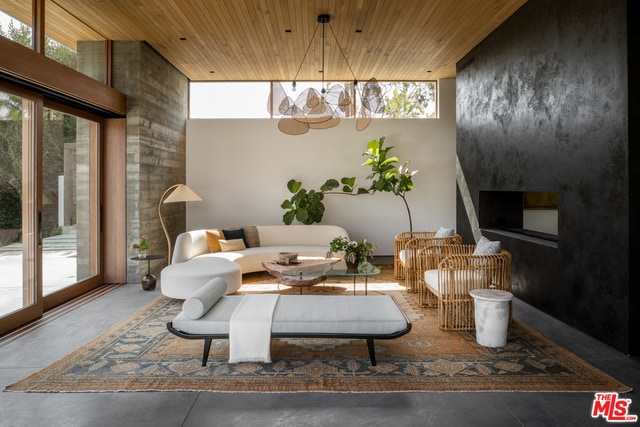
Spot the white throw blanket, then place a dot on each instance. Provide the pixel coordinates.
(250, 329)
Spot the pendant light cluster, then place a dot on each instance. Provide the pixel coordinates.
(324, 109)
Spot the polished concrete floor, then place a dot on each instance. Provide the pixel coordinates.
(67, 328)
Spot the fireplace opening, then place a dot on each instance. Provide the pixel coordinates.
(529, 213)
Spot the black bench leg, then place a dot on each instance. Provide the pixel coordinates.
(205, 354)
(372, 351)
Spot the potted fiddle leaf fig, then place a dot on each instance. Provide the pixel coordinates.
(304, 206)
(307, 207)
(386, 175)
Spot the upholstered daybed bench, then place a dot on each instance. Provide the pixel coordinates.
(295, 316)
(198, 255)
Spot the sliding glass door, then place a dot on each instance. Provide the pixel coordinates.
(18, 207)
(69, 200)
(49, 205)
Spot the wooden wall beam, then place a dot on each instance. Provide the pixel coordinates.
(114, 218)
(25, 65)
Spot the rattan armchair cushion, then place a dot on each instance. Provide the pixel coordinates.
(399, 244)
(458, 272)
(408, 257)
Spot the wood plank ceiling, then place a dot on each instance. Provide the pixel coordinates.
(258, 40)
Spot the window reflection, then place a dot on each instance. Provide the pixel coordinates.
(73, 43)
(69, 160)
(15, 292)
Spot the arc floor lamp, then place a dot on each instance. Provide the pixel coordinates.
(179, 193)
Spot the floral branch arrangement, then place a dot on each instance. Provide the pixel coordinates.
(354, 251)
(143, 245)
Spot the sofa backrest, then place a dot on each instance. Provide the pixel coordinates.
(314, 235)
(193, 243)
(189, 244)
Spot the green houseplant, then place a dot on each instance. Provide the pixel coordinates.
(307, 207)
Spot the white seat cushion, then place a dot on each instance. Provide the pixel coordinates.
(402, 255)
(431, 279)
(407, 256)
(373, 314)
(475, 277)
(309, 314)
(183, 279)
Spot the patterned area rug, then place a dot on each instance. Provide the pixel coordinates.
(138, 354)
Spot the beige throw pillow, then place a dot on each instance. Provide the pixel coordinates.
(213, 238)
(231, 245)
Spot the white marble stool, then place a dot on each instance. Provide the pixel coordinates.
(491, 309)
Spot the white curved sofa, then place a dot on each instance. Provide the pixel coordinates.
(193, 265)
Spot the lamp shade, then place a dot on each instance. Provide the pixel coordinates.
(182, 193)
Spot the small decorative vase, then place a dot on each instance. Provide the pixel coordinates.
(351, 265)
(142, 254)
(149, 282)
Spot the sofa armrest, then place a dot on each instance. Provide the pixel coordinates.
(190, 244)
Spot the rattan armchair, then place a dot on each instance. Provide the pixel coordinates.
(407, 247)
(399, 244)
(449, 272)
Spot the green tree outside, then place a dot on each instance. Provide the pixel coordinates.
(410, 100)
(58, 130)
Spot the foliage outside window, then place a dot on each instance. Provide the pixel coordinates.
(59, 129)
(12, 29)
(410, 100)
(16, 31)
(415, 100)
(22, 34)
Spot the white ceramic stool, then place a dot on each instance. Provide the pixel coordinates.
(182, 279)
(491, 310)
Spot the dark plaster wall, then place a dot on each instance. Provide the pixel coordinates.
(542, 105)
(633, 48)
(157, 101)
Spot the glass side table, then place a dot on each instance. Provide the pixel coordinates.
(148, 280)
(332, 269)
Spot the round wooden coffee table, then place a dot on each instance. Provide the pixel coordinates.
(275, 269)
